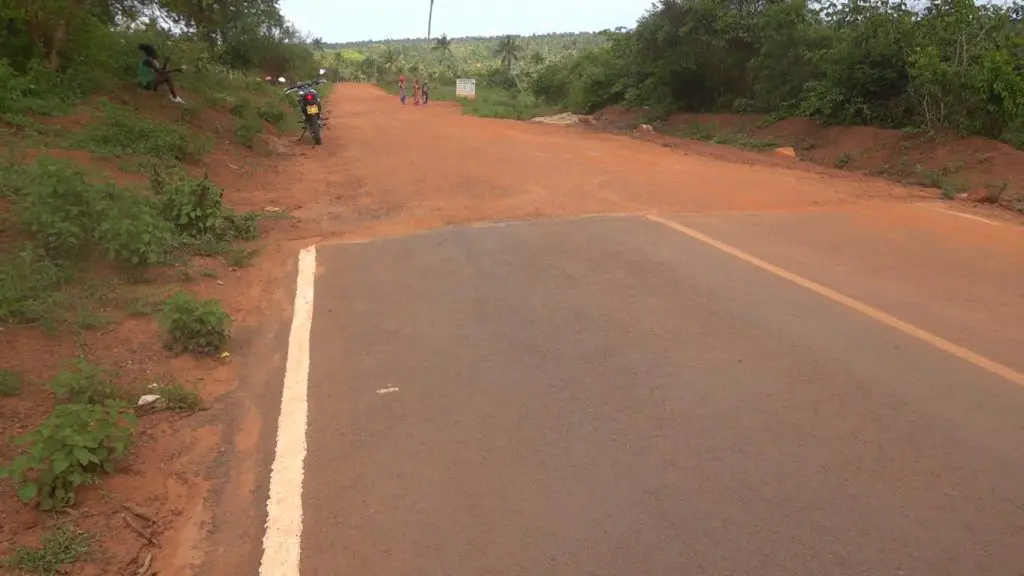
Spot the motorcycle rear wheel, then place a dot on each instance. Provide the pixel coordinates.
(314, 132)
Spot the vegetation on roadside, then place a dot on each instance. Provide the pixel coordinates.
(59, 548)
(79, 250)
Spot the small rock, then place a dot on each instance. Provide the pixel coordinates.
(645, 129)
(148, 399)
(786, 151)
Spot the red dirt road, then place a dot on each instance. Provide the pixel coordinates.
(388, 170)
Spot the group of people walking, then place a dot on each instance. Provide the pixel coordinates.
(419, 92)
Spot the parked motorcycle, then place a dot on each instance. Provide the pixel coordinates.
(311, 109)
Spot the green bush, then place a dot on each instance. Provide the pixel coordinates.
(67, 450)
(30, 285)
(60, 207)
(246, 130)
(134, 235)
(193, 206)
(84, 383)
(197, 326)
(271, 113)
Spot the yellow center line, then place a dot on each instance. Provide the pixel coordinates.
(905, 327)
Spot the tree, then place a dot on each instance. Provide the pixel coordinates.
(317, 44)
(430, 18)
(443, 45)
(508, 51)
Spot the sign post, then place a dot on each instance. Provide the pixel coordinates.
(465, 88)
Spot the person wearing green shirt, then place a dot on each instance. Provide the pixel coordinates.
(152, 75)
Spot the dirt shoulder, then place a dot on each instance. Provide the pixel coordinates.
(974, 171)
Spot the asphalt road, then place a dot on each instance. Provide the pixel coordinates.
(608, 396)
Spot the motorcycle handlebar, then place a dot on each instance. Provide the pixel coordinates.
(301, 85)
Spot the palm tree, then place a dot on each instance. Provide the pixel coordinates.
(443, 45)
(389, 59)
(430, 18)
(509, 49)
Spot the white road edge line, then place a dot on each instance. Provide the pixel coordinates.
(282, 539)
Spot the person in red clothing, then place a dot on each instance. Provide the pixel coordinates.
(416, 91)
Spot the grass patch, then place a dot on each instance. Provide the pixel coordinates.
(85, 383)
(10, 383)
(192, 325)
(179, 398)
(120, 131)
(58, 548)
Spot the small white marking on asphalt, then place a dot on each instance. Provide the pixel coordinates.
(281, 541)
(387, 390)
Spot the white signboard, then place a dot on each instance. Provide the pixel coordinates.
(465, 88)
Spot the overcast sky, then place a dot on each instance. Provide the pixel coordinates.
(380, 19)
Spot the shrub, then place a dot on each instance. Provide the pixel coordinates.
(84, 383)
(197, 326)
(271, 114)
(246, 131)
(134, 235)
(59, 206)
(69, 449)
(29, 286)
(194, 207)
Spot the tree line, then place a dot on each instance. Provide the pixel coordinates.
(940, 64)
(88, 42)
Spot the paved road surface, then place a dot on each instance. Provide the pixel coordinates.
(608, 396)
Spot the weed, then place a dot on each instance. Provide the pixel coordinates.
(239, 257)
(197, 326)
(59, 206)
(191, 111)
(271, 114)
(134, 235)
(84, 383)
(244, 226)
(844, 160)
(246, 130)
(996, 190)
(208, 273)
(58, 548)
(86, 319)
(10, 383)
(1018, 203)
(242, 108)
(179, 398)
(29, 286)
(702, 132)
(119, 131)
(194, 207)
(144, 306)
(68, 449)
(740, 140)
